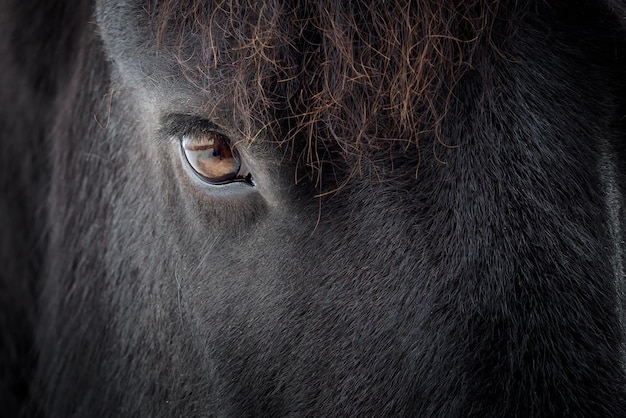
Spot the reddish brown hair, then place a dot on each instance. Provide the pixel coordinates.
(359, 75)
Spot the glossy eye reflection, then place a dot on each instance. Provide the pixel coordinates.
(212, 158)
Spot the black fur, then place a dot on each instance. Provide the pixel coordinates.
(480, 277)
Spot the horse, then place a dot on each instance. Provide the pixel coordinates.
(312, 208)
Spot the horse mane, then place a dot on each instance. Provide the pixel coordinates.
(356, 77)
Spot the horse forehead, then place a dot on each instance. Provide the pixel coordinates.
(295, 70)
(144, 66)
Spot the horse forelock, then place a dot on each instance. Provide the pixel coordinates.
(356, 76)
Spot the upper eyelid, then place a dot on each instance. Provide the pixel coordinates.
(177, 125)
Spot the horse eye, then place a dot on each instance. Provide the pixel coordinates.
(211, 157)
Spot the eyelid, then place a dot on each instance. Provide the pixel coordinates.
(178, 125)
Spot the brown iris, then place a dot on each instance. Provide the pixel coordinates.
(212, 158)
